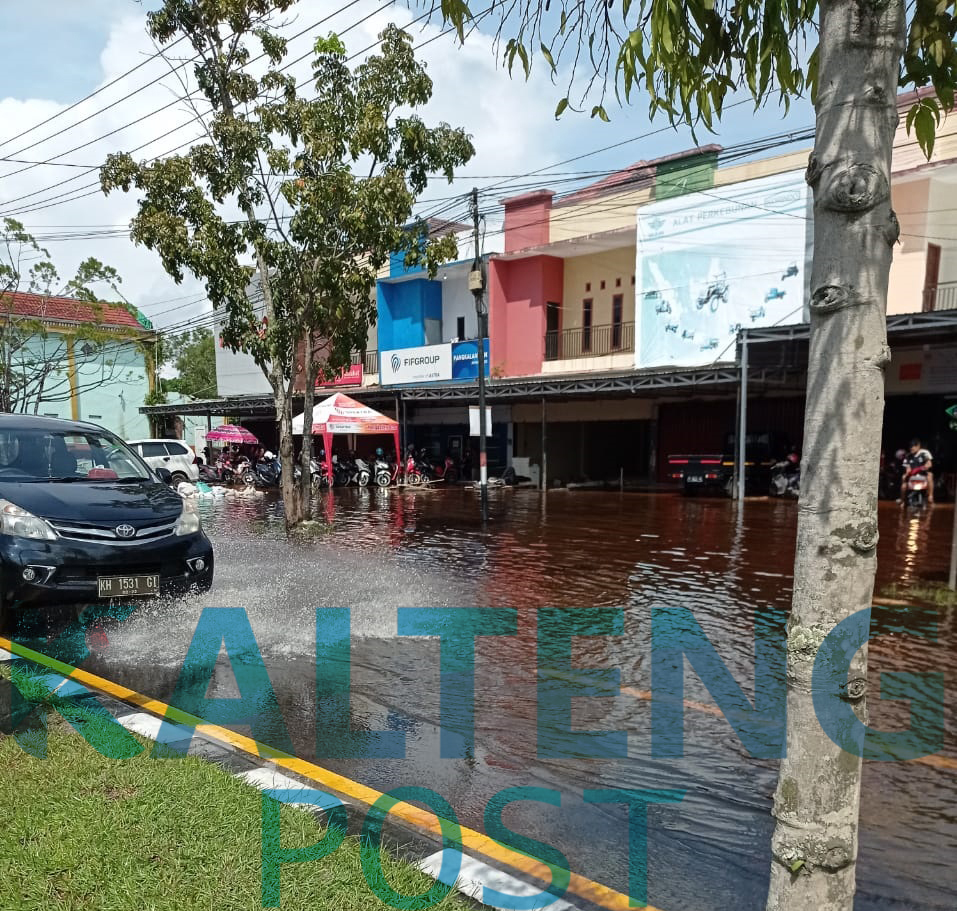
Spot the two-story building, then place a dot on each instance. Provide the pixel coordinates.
(72, 359)
(618, 314)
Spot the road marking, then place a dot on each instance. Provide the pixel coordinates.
(476, 842)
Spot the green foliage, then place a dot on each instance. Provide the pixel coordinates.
(326, 184)
(689, 57)
(193, 356)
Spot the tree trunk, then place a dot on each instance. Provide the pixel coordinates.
(292, 505)
(816, 806)
(309, 396)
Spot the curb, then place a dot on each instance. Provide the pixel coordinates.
(407, 832)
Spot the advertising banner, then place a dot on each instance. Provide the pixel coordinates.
(710, 263)
(351, 376)
(465, 360)
(427, 364)
(475, 415)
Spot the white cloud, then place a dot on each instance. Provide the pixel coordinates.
(511, 120)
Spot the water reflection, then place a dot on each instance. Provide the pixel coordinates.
(376, 551)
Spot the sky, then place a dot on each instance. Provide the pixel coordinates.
(55, 52)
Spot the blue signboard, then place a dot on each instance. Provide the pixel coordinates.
(465, 360)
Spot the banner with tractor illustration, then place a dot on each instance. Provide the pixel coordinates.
(712, 262)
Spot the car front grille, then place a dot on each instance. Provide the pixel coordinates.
(107, 534)
(73, 574)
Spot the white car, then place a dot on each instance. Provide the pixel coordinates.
(173, 455)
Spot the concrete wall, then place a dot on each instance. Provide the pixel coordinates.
(910, 200)
(457, 301)
(584, 276)
(403, 309)
(518, 292)
(114, 403)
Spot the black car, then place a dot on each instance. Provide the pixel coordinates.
(84, 519)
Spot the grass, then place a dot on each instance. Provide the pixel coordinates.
(936, 594)
(83, 832)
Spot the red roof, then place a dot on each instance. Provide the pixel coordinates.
(66, 310)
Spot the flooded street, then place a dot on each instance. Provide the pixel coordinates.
(375, 552)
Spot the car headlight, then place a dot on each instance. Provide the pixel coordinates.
(22, 524)
(188, 522)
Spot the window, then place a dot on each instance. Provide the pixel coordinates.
(616, 313)
(586, 324)
(95, 417)
(603, 285)
(176, 449)
(460, 328)
(587, 287)
(35, 455)
(617, 282)
(153, 450)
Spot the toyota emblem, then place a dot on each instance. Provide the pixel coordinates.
(125, 531)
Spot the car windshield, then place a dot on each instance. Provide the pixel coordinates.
(73, 455)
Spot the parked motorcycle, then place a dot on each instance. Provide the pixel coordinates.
(786, 477)
(891, 474)
(417, 469)
(448, 471)
(266, 473)
(385, 472)
(351, 470)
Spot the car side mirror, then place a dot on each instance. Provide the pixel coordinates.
(164, 475)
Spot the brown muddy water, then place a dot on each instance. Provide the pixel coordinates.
(374, 552)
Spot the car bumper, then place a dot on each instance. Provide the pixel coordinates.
(67, 571)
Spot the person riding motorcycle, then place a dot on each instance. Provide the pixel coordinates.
(916, 462)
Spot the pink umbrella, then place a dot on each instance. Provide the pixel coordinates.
(230, 433)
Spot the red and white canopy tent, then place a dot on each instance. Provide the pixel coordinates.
(341, 414)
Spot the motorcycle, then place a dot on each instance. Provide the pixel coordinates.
(786, 477)
(917, 485)
(891, 474)
(417, 470)
(386, 473)
(351, 470)
(263, 474)
(448, 471)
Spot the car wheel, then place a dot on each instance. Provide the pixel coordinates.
(180, 478)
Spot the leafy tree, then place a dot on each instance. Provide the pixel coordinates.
(325, 186)
(852, 56)
(37, 364)
(193, 355)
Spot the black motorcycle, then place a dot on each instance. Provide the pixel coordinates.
(263, 474)
(786, 477)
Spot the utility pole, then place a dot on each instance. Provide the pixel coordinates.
(477, 287)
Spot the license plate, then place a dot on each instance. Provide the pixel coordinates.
(695, 479)
(121, 586)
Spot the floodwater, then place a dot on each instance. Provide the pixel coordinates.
(708, 846)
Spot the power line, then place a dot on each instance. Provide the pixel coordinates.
(93, 94)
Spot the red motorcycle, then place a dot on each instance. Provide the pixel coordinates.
(448, 472)
(416, 472)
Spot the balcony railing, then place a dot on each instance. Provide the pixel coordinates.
(941, 297)
(370, 362)
(589, 341)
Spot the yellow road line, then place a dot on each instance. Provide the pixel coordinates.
(423, 820)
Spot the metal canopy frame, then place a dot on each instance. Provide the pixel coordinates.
(929, 325)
